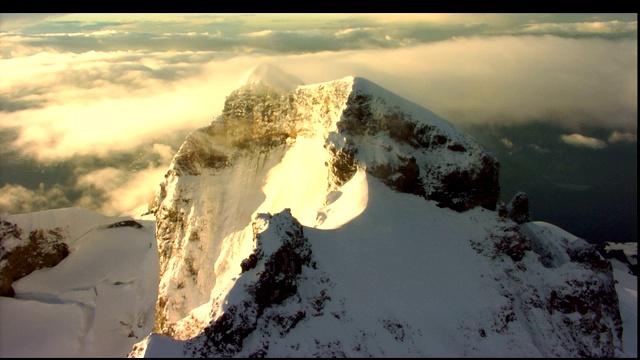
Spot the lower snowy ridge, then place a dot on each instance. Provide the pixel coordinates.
(406, 278)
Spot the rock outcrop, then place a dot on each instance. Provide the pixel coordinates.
(280, 254)
(518, 208)
(21, 253)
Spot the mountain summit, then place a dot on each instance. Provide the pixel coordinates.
(272, 76)
(327, 220)
(339, 219)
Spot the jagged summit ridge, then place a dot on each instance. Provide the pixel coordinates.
(363, 85)
(363, 125)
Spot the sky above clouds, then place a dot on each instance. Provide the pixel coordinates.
(105, 95)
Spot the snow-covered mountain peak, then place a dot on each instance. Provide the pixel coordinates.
(328, 220)
(273, 76)
(310, 150)
(363, 181)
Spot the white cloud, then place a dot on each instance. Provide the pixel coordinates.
(617, 136)
(583, 141)
(260, 33)
(539, 149)
(17, 199)
(595, 27)
(14, 21)
(506, 142)
(123, 191)
(99, 102)
(107, 179)
(93, 114)
(501, 79)
(165, 152)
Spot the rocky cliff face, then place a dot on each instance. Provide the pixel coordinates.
(305, 148)
(573, 309)
(413, 151)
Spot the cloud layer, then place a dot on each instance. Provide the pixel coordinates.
(98, 85)
(27, 34)
(17, 199)
(95, 103)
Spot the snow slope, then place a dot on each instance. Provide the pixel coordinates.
(30, 328)
(97, 302)
(390, 286)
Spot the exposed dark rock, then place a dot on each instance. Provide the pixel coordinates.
(8, 229)
(263, 141)
(459, 189)
(249, 263)
(124, 223)
(357, 118)
(457, 147)
(226, 334)
(518, 208)
(420, 159)
(464, 190)
(596, 301)
(401, 130)
(405, 178)
(502, 211)
(619, 255)
(285, 321)
(344, 165)
(486, 186)
(438, 140)
(585, 253)
(277, 282)
(258, 118)
(254, 119)
(193, 156)
(511, 242)
(44, 248)
(584, 305)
